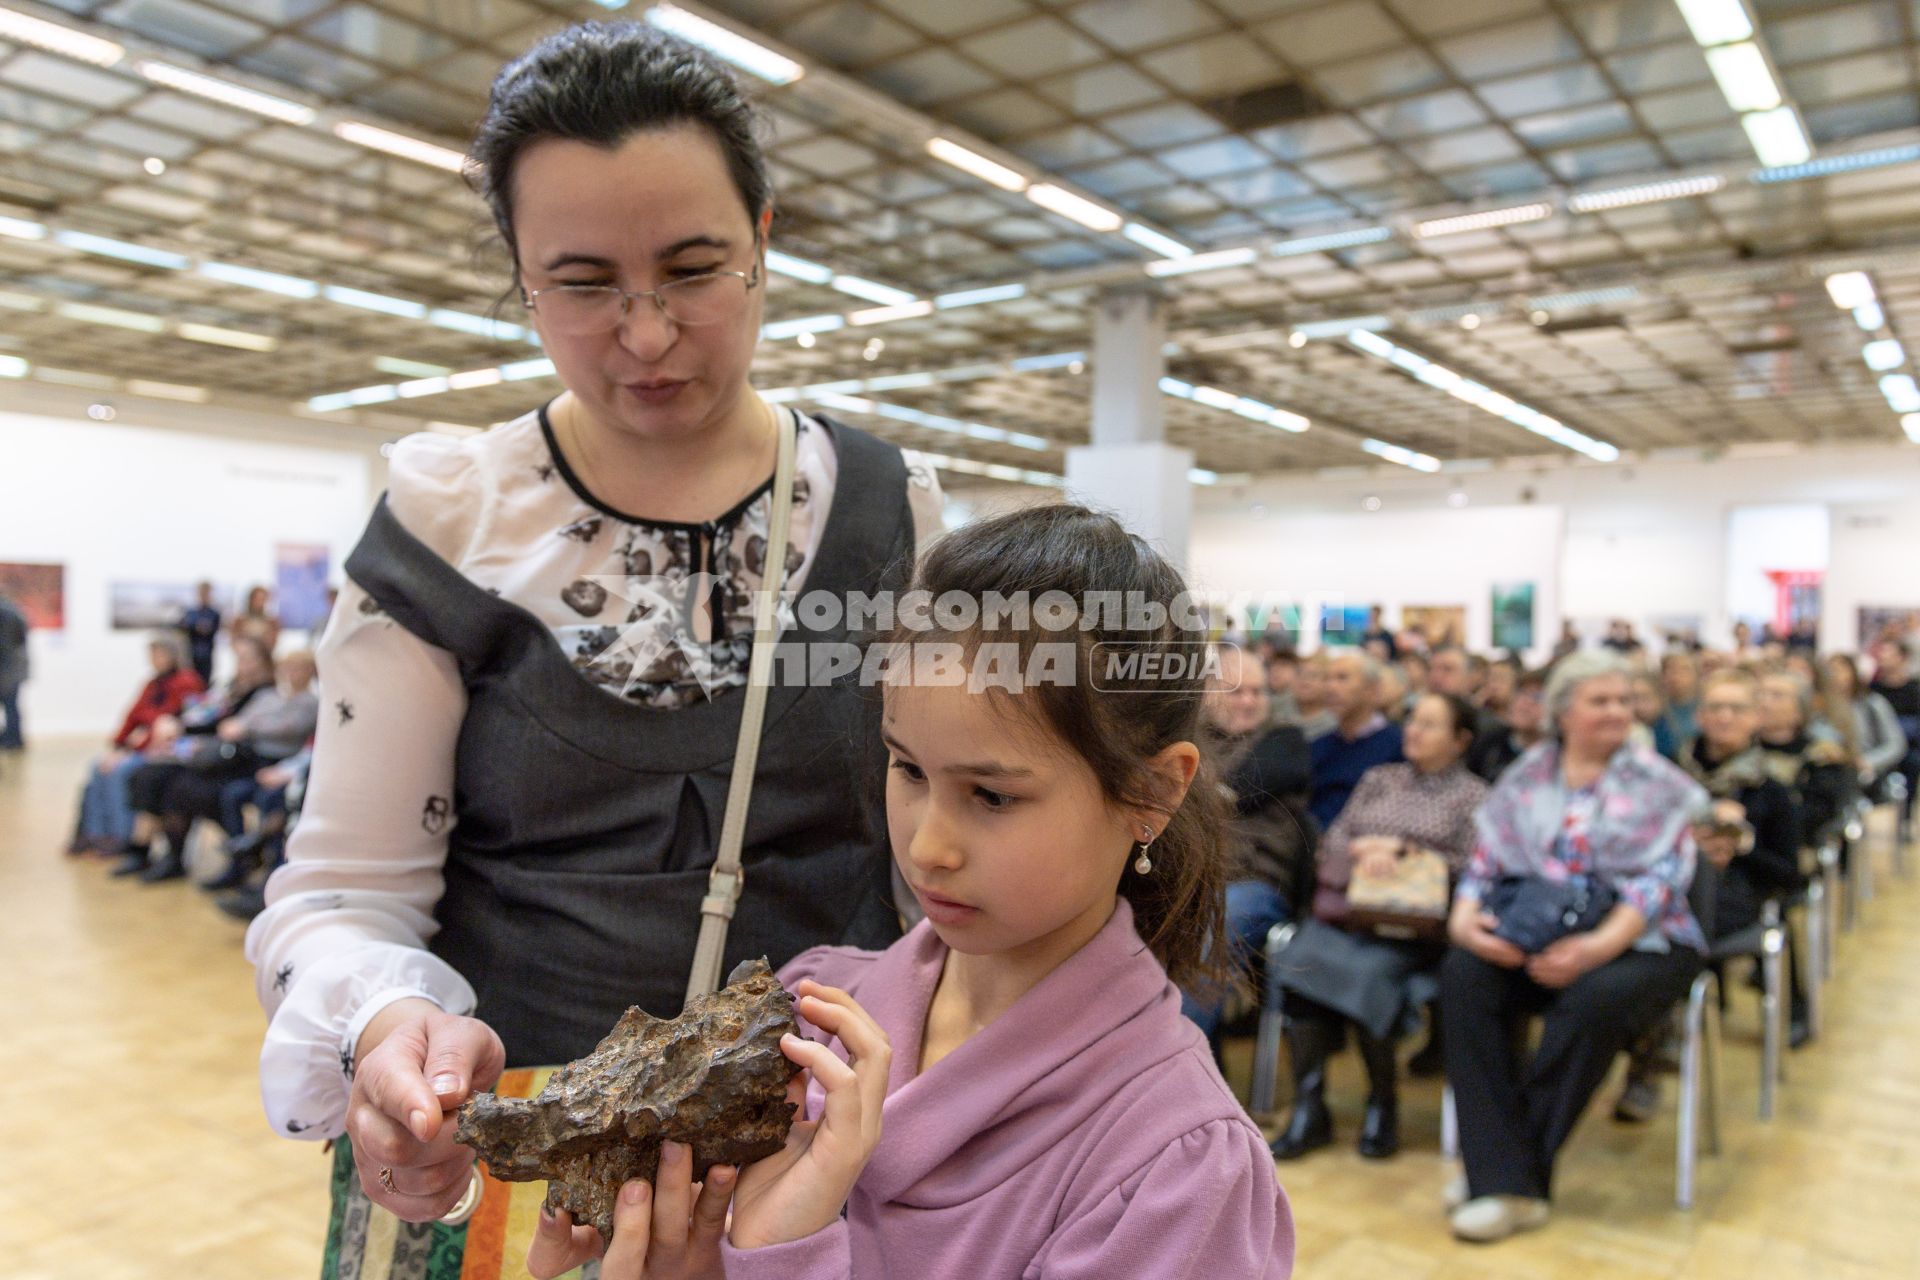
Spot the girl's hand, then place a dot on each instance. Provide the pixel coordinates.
(801, 1189)
(1473, 930)
(671, 1235)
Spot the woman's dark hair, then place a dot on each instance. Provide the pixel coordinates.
(600, 83)
(1115, 720)
(259, 649)
(1462, 716)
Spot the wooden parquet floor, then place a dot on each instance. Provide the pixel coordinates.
(134, 1145)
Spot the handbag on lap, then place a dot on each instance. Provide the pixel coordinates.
(1408, 903)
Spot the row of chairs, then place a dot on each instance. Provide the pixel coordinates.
(1838, 887)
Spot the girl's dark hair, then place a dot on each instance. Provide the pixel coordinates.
(1462, 716)
(1117, 723)
(600, 83)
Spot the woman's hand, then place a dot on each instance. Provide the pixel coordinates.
(801, 1189)
(1564, 961)
(1473, 930)
(415, 1064)
(672, 1235)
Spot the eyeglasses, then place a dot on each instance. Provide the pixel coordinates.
(577, 310)
(1726, 708)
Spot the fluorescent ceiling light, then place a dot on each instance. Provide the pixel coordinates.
(1903, 395)
(266, 281)
(1716, 21)
(872, 290)
(521, 370)
(899, 381)
(1870, 317)
(14, 367)
(1074, 208)
(1647, 193)
(168, 391)
(399, 144)
(1149, 239)
(1405, 457)
(1826, 166)
(1481, 221)
(54, 38)
(886, 315)
(1482, 397)
(975, 297)
(479, 326)
(1885, 354)
(1584, 298)
(1340, 328)
(780, 329)
(725, 44)
(1777, 137)
(423, 387)
(1227, 402)
(76, 378)
(21, 302)
(1850, 289)
(20, 228)
(409, 368)
(236, 338)
(799, 268)
(1744, 77)
(376, 302)
(138, 321)
(1333, 240)
(1038, 364)
(122, 250)
(232, 95)
(1202, 262)
(1909, 423)
(991, 171)
(352, 399)
(474, 378)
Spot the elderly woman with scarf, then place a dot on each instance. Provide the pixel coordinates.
(1581, 819)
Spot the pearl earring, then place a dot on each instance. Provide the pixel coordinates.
(1143, 864)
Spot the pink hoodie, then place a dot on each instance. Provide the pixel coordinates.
(1083, 1135)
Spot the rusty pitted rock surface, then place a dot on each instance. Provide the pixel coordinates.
(713, 1078)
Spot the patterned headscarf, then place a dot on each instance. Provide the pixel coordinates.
(1644, 803)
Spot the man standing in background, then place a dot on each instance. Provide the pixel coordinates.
(201, 624)
(13, 674)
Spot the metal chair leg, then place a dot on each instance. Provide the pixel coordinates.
(1686, 1155)
(1711, 1063)
(1862, 864)
(1449, 1125)
(1773, 949)
(1813, 970)
(1266, 1051)
(1829, 857)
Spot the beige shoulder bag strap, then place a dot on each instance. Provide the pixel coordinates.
(728, 879)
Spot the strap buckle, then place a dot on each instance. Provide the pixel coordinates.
(723, 891)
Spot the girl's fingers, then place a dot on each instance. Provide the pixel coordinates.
(672, 1198)
(632, 1221)
(559, 1246)
(710, 1210)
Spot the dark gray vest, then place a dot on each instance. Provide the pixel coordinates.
(586, 825)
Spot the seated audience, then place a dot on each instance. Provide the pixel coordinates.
(1893, 679)
(1396, 703)
(1265, 771)
(1680, 686)
(1579, 821)
(1361, 737)
(223, 739)
(1877, 735)
(1283, 672)
(104, 823)
(1525, 724)
(1806, 759)
(1652, 728)
(1315, 717)
(257, 622)
(1336, 971)
(266, 793)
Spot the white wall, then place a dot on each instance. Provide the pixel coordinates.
(1639, 540)
(164, 493)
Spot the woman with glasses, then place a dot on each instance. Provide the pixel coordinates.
(534, 677)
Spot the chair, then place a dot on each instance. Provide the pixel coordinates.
(1266, 1049)
(1895, 793)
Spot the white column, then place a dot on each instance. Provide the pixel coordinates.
(1129, 469)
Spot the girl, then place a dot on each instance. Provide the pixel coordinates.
(1047, 1110)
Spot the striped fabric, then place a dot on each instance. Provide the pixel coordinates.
(365, 1242)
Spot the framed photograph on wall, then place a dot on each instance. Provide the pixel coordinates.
(147, 606)
(1441, 624)
(1877, 620)
(1513, 615)
(1343, 624)
(39, 591)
